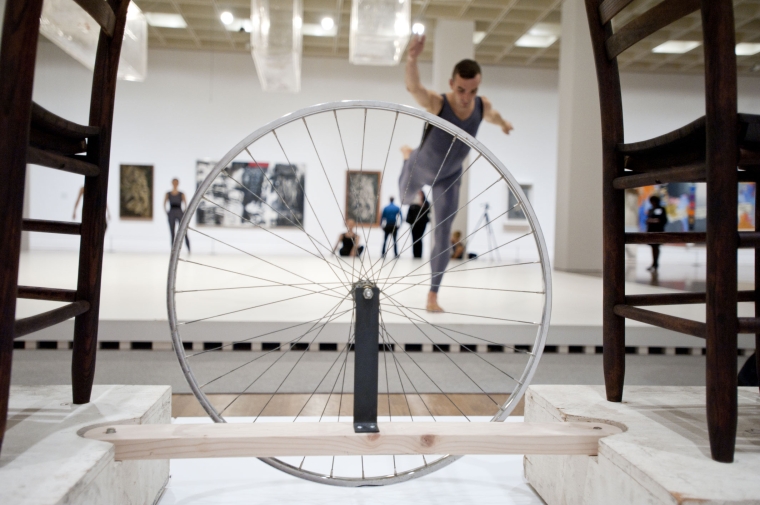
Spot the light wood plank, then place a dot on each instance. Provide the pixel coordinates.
(226, 440)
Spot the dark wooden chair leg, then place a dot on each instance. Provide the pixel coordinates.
(94, 209)
(722, 236)
(17, 53)
(613, 326)
(88, 288)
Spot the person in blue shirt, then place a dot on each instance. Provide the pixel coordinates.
(391, 221)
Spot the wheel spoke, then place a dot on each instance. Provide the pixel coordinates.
(343, 368)
(252, 307)
(332, 190)
(457, 179)
(441, 329)
(224, 346)
(305, 196)
(532, 323)
(321, 257)
(435, 179)
(321, 381)
(284, 201)
(388, 286)
(399, 365)
(423, 320)
(291, 369)
(446, 251)
(448, 357)
(362, 269)
(276, 349)
(259, 258)
(377, 199)
(275, 362)
(276, 283)
(428, 376)
(316, 243)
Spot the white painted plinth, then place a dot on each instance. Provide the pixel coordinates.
(663, 457)
(45, 461)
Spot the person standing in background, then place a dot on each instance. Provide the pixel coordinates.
(418, 216)
(176, 199)
(390, 221)
(657, 218)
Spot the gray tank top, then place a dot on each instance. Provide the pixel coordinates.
(435, 143)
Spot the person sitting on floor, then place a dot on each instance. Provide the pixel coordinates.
(349, 241)
(457, 247)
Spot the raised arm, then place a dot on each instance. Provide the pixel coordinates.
(492, 116)
(428, 100)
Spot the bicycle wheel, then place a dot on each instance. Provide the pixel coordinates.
(281, 291)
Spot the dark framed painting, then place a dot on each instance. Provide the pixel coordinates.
(363, 197)
(136, 192)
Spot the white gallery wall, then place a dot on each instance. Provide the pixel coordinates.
(197, 105)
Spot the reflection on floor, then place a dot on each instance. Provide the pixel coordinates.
(682, 268)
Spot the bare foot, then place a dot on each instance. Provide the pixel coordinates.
(432, 303)
(406, 151)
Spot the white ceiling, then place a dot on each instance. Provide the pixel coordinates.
(502, 21)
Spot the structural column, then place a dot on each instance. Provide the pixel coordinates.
(578, 235)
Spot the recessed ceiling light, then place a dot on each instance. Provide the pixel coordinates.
(676, 46)
(327, 23)
(315, 30)
(163, 20)
(478, 37)
(528, 40)
(546, 29)
(540, 35)
(227, 17)
(747, 48)
(418, 29)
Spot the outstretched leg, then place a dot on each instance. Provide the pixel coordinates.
(445, 204)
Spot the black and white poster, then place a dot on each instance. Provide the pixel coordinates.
(252, 194)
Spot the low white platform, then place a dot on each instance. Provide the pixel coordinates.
(133, 302)
(45, 461)
(663, 457)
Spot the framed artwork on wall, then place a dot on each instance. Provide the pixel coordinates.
(252, 195)
(362, 197)
(516, 220)
(136, 192)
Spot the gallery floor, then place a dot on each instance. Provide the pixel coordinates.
(134, 294)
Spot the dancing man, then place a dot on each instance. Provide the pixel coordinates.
(436, 162)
